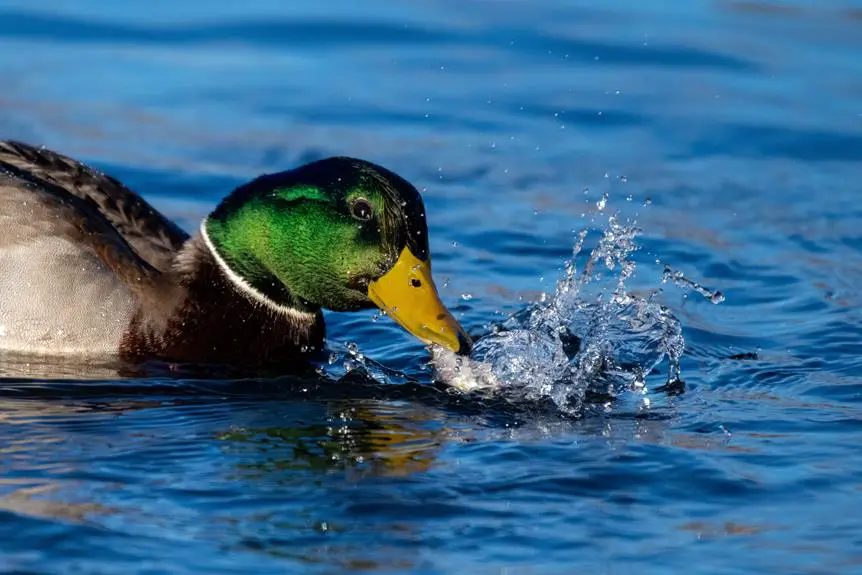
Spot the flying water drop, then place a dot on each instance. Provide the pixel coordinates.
(678, 279)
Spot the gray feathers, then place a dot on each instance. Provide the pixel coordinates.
(152, 236)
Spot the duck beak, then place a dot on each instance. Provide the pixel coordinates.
(408, 295)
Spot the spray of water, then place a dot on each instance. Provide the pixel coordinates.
(589, 335)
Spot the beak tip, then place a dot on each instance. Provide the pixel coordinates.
(465, 344)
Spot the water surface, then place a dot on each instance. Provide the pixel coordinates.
(727, 133)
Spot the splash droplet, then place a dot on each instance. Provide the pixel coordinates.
(602, 202)
(678, 279)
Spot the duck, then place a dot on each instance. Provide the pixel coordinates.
(88, 267)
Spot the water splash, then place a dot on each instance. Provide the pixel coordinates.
(591, 335)
(678, 279)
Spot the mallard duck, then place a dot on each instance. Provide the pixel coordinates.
(89, 267)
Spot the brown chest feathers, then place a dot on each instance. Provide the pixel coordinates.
(201, 315)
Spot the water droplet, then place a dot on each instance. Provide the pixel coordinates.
(466, 296)
(679, 280)
(602, 202)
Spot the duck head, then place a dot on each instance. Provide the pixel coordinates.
(341, 234)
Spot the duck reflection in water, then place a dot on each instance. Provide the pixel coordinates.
(366, 437)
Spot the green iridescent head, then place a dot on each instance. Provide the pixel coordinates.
(341, 234)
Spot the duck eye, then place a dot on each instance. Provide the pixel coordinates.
(362, 210)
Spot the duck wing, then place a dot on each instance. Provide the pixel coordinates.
(150, 234)
(69, 282)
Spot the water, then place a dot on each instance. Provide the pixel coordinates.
(565, 346)
(711, 151)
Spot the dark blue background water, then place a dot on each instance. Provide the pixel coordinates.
(741, 121)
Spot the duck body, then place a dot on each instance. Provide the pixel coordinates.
(88, 267)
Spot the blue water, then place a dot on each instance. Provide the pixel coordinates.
(729, 133)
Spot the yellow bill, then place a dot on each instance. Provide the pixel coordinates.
(408, 295)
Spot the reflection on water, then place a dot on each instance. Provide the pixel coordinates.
(46, 501)
(362, 438)
(33, 367)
